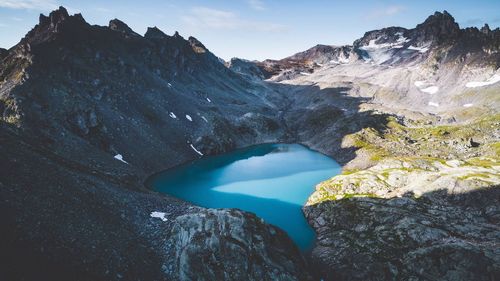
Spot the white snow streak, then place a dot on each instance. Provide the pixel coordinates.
(494, 79)
(209, 100)
(305, 73)
(205, 119)
(172, 115)
(430, 90)
(189, 118)
(420, 49)
(434, 104)
(159, 215)
(196, 150)
(468, 105)
(379, 53)
(341, 60)
(120, 158)
(420, 83)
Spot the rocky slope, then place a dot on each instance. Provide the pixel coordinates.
(435, 67)
(418, 108)
(88, 112)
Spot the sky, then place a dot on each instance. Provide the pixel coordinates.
(251, 29)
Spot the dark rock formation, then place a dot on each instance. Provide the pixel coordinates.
(155, 33)
(407, 238)
(439, 28)
(72, 96)
(118, 25)
(248, 68)
(3, 53)
(197, 246)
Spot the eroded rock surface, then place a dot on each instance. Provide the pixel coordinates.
(232, 245)
(439, 236)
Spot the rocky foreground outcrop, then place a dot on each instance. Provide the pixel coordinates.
(438, 236)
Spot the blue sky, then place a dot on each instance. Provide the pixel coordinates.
(251, 29)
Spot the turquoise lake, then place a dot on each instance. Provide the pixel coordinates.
(270, 180)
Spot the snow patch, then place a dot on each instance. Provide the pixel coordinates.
(160, 215)
(396, 45)
(420, 84)
(169, 85)
(434, 104)
(204, 119)
(172, 115)
(196, 150)
(305, 73)
(209, 100)
(430, 90)
(494, 79)
(340, 60)
(379, 53)
(468, 105)
(420, 49)
(189, 118)
(120, 158)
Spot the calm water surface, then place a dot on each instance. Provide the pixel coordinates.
(270, 180)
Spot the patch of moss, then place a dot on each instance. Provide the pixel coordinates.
(481, 162)
(476, 175)
(349, 171)
(352, 195)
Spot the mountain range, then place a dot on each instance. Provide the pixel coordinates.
(89, 112)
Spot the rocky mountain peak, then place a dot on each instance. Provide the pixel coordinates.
(57, 17)
(177, 35)
(438, 27)
(120, 26)
(58, 21)
(54, 17)
(155, 33)
(197, 46)
(486, 29)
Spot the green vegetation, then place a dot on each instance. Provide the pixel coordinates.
(417, 148)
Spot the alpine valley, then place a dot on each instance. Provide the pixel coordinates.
(88, 113)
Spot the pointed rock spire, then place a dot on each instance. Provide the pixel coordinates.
(120, 26)
(438, 27)
(486, 29)
(197, 46)
(155, 33)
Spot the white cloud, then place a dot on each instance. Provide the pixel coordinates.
(386, 11)
(203, 17)
(103, 10)
(392, 10)
(256, 4)
(29, 4)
